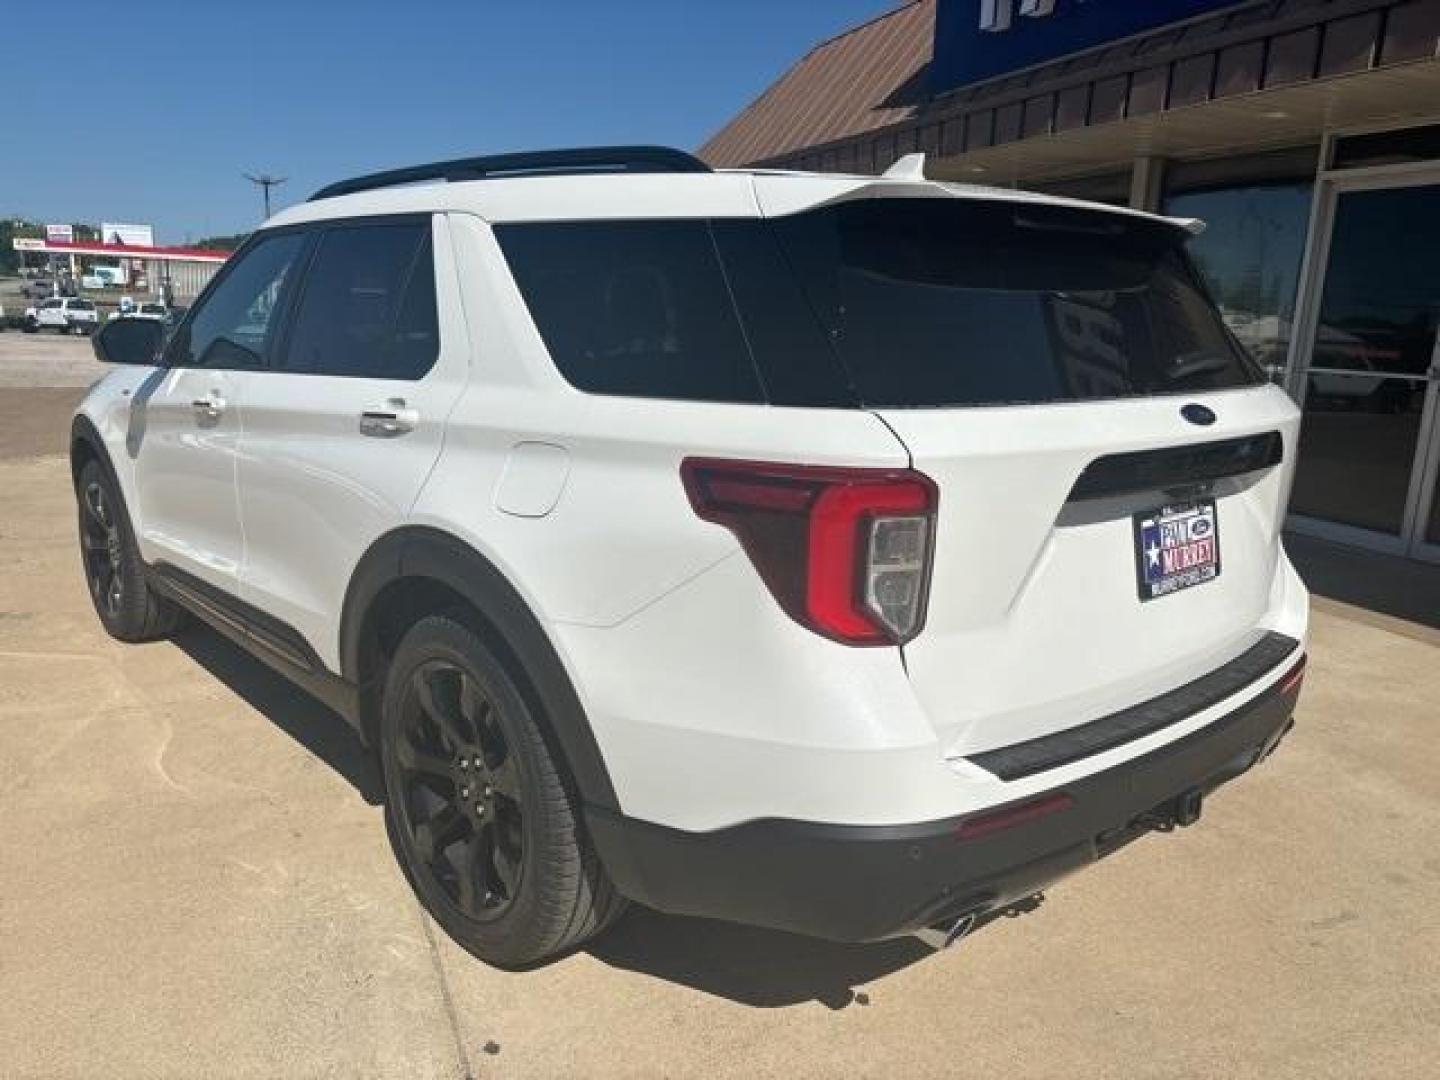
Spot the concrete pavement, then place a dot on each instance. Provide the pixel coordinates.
(195, 881)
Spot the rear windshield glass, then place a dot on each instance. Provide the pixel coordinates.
(948, 302)
(882, 303)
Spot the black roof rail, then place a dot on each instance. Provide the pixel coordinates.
(590, 159)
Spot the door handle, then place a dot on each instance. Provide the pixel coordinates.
(210, 406)
(390, 422)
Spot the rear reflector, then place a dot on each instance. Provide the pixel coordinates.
(1008, 817)
(845, 552)
(1290, 684)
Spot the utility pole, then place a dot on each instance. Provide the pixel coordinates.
(265, 181)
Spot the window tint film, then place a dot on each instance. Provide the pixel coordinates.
(368, 305)
(933, 302)
(231, 327)
(638, 308)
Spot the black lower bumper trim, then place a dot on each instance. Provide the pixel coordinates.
(1033, 756)
(861, 883)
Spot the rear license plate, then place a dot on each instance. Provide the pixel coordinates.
(1176, 547)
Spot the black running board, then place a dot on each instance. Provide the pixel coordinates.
(273, 642)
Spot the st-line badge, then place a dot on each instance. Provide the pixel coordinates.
(1176, 547)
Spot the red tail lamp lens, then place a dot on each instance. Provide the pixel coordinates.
(846, 552)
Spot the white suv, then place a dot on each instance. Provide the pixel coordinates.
(64, 315)
(839, 554)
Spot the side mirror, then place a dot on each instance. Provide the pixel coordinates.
(129, 341)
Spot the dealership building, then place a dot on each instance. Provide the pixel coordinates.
(1305, 133)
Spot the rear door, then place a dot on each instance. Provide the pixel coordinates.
(1112, 468)
(344, 427)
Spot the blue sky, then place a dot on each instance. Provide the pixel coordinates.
(149, 111)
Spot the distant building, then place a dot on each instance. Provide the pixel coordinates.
(179, 273)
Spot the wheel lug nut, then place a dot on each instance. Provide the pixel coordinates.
(464, 793)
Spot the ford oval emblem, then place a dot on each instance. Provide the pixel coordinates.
(1198, 414)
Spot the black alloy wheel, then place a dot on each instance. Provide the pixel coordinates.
(101, 546)
(480, 807)
(460, 782)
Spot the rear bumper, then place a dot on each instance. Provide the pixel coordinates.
(861, 883)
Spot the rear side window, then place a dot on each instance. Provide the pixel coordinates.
(81, 305)
(367, 308)
(636, 308)
(932, 302)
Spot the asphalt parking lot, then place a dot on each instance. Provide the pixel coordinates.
(195, 881)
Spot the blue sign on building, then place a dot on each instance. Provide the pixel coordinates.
(980, 39)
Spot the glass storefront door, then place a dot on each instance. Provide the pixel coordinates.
(1370, 378)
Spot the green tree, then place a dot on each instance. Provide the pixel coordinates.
(222, 243)
(10, 228)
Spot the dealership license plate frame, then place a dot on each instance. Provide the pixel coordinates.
(1192, 516)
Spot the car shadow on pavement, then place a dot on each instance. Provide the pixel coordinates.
(745, 964)
(314, 726)
(762, 968)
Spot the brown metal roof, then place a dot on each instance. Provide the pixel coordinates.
(863, 79)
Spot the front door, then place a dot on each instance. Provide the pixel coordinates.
(186, 419)
(1370, 378)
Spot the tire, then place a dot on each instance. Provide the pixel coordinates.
(114, 572)
(478, 807)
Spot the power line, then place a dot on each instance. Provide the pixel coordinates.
(265, 181)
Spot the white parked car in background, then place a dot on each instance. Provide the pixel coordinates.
(63, 314)
(145, 309)
(848, 555)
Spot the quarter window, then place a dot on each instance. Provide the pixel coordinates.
(368, 306)
(232, 325)
(637, 308)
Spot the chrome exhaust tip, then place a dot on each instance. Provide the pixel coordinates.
(942, 936)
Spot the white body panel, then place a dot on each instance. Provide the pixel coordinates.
(1034, 622)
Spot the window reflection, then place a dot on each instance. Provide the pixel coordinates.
(1382, 291)
(1357, 441)
(1250, 256)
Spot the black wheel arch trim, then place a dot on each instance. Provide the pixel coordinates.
(83, 430)
(416, 551)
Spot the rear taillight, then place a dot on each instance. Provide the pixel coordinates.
(846, 552)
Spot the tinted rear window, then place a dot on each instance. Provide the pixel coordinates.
(934, 302)
(898, 303)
